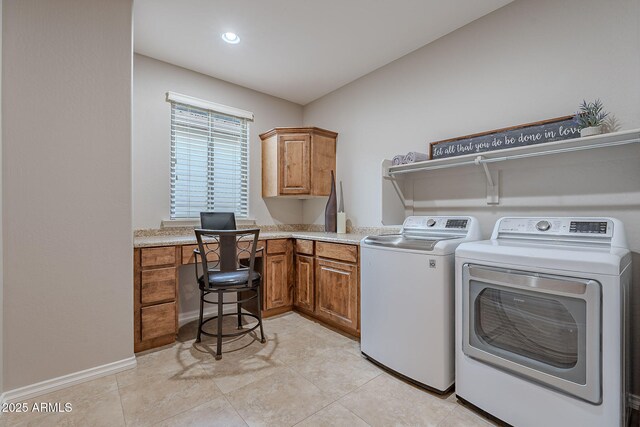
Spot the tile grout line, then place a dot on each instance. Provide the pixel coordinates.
(339, 397)
(200, 404)
(297, 373)
(354, 414)
(336, 400)
(446, 416)
(171, 416)
(234, 408)
(333, 401)
(232, 391)
(124, 416)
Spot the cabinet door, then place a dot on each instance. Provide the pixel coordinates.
(337, 292)
(277, 290)
(294, 162)
(304, 295)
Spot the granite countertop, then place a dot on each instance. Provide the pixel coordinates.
(354, 238)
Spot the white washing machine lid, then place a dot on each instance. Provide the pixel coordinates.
(394, 242)
(579, 260)
(436, 235)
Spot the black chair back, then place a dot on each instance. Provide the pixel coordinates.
(217, 220)
(223, 250)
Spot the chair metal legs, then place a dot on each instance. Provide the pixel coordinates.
(262, 340)
(220, 317)
(200, 317)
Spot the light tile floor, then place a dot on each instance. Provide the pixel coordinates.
(305, 375)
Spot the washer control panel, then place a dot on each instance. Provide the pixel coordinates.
(456, 223)
(575, 227)
(436, 223)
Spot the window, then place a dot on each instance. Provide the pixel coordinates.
(209, 158)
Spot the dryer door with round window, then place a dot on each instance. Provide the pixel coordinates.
(542, 327)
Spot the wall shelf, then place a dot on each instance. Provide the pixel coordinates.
(545, 149)
(484, 159)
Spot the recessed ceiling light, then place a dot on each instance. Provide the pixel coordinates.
(231, 38)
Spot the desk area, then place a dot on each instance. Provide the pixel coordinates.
(313, 272)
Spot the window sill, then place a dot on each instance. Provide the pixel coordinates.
(195, 222)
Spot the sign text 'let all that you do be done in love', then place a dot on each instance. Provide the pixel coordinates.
(518, 136)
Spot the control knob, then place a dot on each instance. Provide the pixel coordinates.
(543, 225)
(431, 222)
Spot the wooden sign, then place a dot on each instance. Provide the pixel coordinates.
(517, 136)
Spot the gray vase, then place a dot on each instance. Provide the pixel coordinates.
(331, 210)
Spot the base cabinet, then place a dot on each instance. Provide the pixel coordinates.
(327, 283)
(323, 282)
(155, 279)
(337, 293)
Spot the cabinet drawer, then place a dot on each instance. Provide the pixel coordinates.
(188, 257)
(151, 257)
(244, 248)
(158, 285)
(347, 253)
(277, 246)
(304, 247)
(158, 320)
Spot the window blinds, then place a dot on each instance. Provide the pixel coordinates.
(209, 162)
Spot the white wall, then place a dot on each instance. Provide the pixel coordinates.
(66, 187)
(528, 61)
(152, 138)
(1, 264)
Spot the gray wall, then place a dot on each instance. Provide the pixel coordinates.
(152, 138)
(66, 187)
(527, 61)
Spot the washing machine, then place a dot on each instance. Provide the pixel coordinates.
(407, 298)
(541, 322)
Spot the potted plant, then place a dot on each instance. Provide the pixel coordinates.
(590, 117)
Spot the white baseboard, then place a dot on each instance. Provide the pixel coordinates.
(54, 384)
(634, 401)
(189, 316)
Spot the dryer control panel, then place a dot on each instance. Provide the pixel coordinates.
(557, 226)
(568, 229)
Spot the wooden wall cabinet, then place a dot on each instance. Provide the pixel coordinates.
(297, 162)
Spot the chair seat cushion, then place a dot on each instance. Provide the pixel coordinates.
(220, 279)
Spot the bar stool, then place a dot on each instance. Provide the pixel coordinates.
(220, 253)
